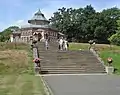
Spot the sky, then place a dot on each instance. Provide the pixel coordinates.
(17, 12)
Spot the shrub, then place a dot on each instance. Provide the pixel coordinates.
(115, 39)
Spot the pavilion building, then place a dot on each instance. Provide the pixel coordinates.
(38, 29)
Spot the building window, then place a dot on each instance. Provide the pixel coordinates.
(27, 39)
(29, 33)
(26, 33)
(53, 33)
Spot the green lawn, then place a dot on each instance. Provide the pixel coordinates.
(104, 52)
(78, 46)
(115, 54)
(16, 71)
(22, 84)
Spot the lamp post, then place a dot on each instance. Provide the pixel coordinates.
(13, 30)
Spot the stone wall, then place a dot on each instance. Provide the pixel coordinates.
(52, 35)
(25, 35)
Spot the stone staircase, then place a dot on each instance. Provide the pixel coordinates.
(68, 62)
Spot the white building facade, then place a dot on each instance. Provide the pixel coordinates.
(37, 29)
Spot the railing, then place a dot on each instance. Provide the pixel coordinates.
(36, 56)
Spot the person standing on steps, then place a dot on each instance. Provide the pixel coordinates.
(58, 44)
(61, 43)
(90, 42)
(94, 45)
(46, 44)
(65, 44)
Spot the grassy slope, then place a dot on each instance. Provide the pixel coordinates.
(114, 52)
(104, 51)
(16, 71)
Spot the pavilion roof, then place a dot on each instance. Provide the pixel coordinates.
(39, 16)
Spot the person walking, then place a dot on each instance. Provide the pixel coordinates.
(46, 44)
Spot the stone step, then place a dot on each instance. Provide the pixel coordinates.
(69, 51)
(69, 69)
(71, 64)
(80, 60)
(55, 61)
(72, 72)
(44, 68)
(85, 66)
(77, 68)
(67, 55)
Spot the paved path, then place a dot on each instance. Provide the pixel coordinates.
(84, 84)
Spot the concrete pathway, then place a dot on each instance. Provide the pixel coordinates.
(84, 84)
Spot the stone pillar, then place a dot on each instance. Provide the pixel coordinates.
(11, 38)
(109, 69)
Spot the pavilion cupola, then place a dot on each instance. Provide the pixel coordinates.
(38, 19)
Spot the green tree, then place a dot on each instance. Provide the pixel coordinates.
(115, 38)
(84, 24)
(5, 34)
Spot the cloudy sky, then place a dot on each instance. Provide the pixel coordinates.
(17, 12)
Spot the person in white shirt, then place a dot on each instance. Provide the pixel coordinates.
(61, 43)
(65, 46)
(46, 44)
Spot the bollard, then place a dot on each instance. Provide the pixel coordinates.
(109, 68)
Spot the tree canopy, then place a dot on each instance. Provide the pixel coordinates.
(84, 24)
(115, 38)
(5, 34)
